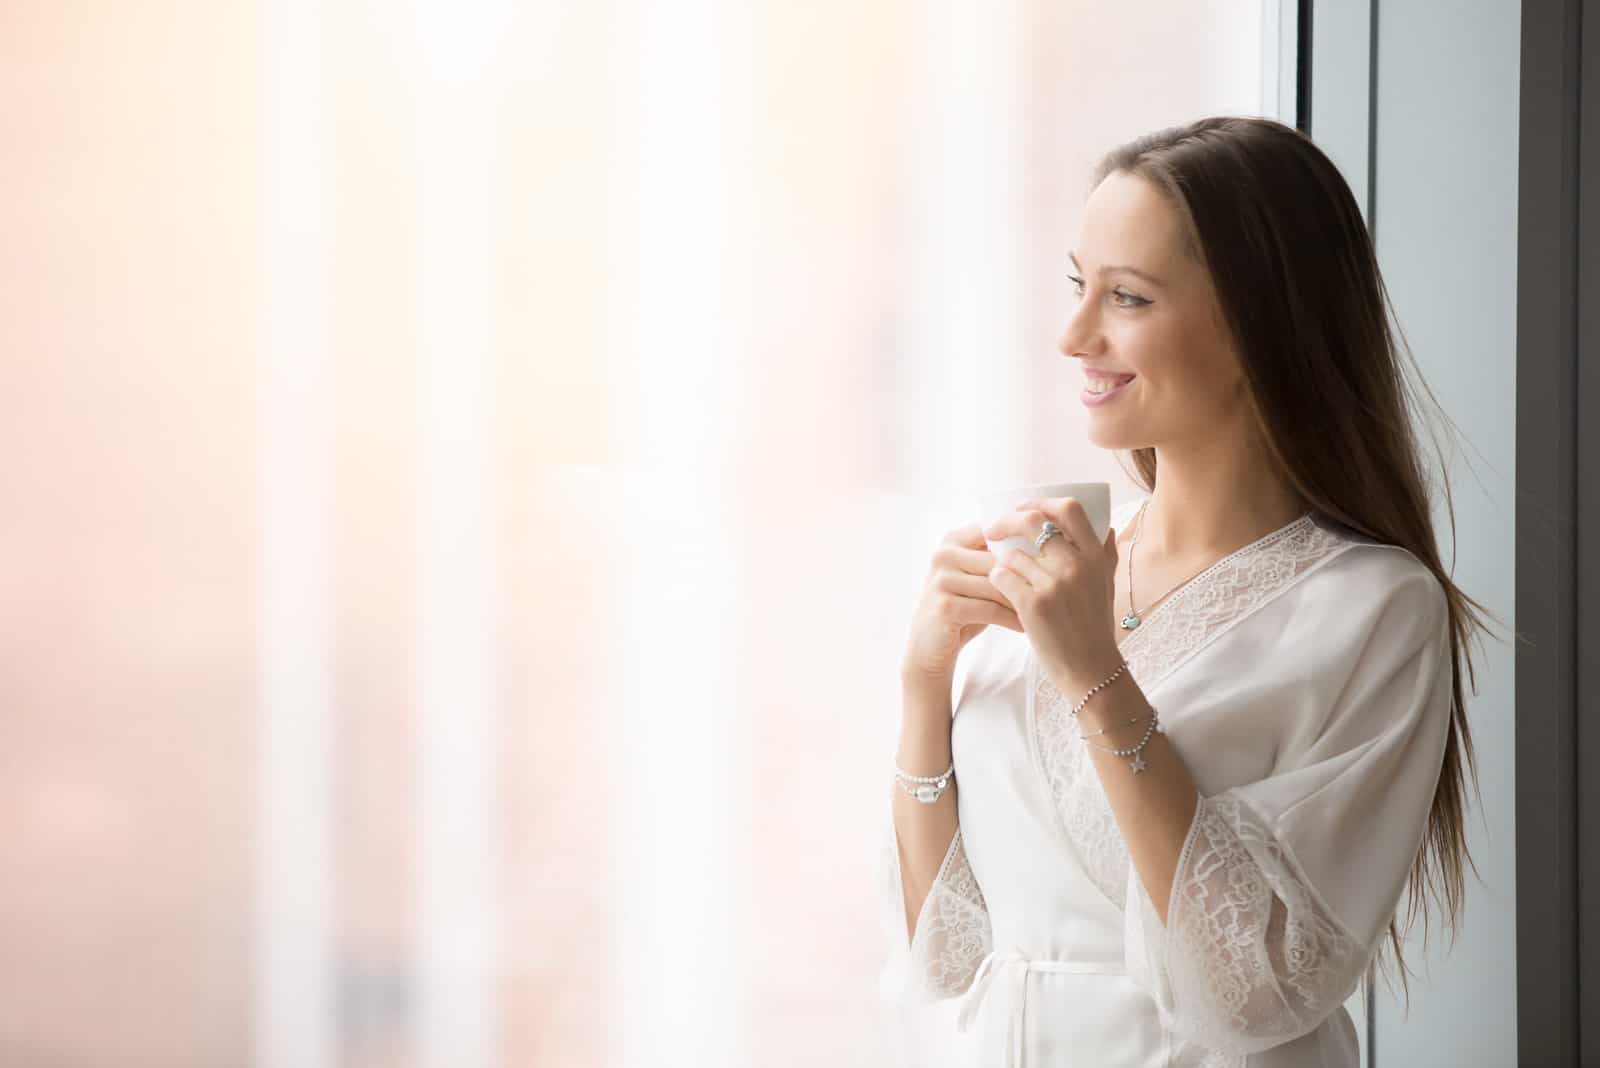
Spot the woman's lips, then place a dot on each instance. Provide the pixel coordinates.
(1093, 399)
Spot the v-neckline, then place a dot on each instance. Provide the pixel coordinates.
(1183, 587)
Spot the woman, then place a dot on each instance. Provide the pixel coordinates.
(1165, 812)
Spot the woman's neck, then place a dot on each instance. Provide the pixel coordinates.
(1208, 502)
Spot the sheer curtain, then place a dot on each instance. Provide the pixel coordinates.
(471, 468)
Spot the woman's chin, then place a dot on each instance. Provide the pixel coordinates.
(1106, 437)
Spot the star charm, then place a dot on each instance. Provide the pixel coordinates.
(1138, 763)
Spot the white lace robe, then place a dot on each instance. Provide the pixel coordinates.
(1305, 681)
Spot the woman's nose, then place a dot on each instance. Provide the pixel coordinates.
(1078, 333)
(1074, 339)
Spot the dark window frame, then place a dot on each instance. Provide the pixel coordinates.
(1557, 652)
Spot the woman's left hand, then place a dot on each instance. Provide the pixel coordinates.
(1064, 596)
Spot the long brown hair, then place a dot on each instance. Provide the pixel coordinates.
(1267, 213)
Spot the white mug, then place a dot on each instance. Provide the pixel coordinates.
(1094, 496)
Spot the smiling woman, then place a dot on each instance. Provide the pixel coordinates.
(1191, 382)
(1184, 844)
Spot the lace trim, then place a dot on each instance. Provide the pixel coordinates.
(1191, 618)
(1189, 1055)
(1253, 956)
(1224, 593)
(952, 934)
(1079, 798)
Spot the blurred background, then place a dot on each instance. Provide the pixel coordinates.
(469, 467)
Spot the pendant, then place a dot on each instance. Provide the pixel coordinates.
(1130, 621)
(1138, 763)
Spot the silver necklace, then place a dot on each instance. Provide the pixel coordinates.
(1132, 620)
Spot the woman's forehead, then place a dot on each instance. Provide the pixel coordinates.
(1127, 223)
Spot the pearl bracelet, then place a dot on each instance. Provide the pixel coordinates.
(928, 788)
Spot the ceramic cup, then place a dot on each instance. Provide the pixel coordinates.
(1094, 496)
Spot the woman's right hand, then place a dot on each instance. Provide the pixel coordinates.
(958, 601)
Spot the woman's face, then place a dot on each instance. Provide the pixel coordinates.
(1162, 325)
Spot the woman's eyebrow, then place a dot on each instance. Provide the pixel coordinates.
(1152, 279)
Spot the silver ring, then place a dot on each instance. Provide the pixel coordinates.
(1046, 532)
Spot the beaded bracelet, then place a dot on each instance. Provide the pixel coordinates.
(928, 788)
(1138, 763)
(1102, 684)
(1103, 730)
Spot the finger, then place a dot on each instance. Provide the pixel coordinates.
(977, 587)
(1074, 520)
(1008, 577)
(970, 535)
(970, 561)
(1012, 585)
(1053, 548)
(1007, 618)
(1003, 615)
(1063, 510)
(964, 610)
(1068, 514)
(1029, 524)
(1026, 521)
(1031, 570)
(1048, 508)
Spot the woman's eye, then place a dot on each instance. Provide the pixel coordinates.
(1125, 299)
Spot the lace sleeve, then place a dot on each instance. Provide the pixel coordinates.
(1250, 956)
(952, 934)
(1284, 887)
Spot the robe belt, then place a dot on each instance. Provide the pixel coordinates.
(1017, 965)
